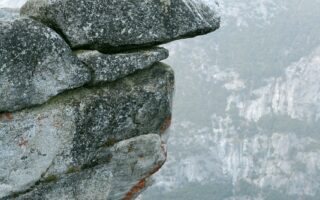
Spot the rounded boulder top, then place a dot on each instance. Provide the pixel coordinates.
(115, 25)
(36, 64)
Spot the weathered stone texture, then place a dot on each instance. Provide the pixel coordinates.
(84, 99)
(114, 25)
(74, 131)
(130, 162)
(36, 64)
(110, 67)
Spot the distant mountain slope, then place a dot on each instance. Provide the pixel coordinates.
(246, 122)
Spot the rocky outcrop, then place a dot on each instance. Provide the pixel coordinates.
(36, 63)
(110, 67)
(73, 130)
(87, 124)
(129, 160)
(109, 25)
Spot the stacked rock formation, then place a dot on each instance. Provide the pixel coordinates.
(84, 99)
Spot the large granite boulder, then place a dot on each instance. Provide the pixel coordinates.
(110, 67)
(35, 63)
(114, 25)
(88, 124)
(87, 140)
(131, 162)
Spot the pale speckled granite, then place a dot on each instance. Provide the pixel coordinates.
(36, 64)
(115, 25)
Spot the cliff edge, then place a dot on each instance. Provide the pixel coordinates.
(84, 99)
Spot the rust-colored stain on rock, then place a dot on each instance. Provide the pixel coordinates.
(6, 116)
(135, 189)
(166, 124)
(23, 142)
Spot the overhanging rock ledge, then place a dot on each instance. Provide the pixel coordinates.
(85, 102)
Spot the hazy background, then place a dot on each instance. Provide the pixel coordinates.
(247, 106)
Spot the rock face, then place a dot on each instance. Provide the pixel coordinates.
(82, 124)
(110, 67)
(136, 158)
(36, 64)
(113, 25)
(73, 132)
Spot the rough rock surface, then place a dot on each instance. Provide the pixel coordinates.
(36, 64)
(72, 139)
(130, 163)
(113, 25)
(110, 67)
(88, 124)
